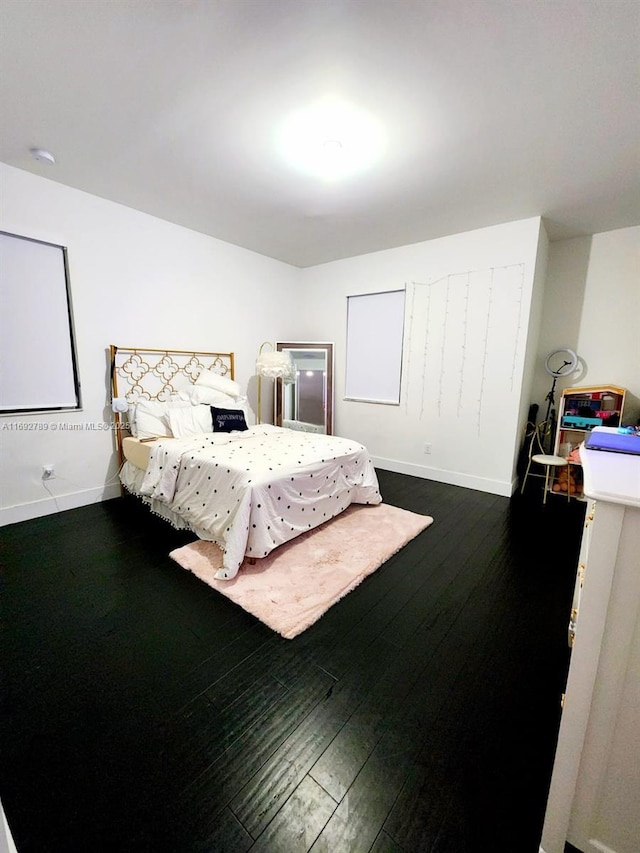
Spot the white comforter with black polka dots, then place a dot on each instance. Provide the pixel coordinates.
(252, 491)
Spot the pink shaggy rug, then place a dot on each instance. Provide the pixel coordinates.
(293, 586)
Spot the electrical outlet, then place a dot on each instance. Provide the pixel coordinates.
(427, 447)
(48, 472)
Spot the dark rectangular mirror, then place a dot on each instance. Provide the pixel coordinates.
(306, 403)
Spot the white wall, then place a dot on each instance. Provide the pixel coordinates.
(592, 304)
(138, 280)
(469, 322)
(609, 339)
(135, 281)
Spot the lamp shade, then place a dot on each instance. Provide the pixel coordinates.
(275, 365)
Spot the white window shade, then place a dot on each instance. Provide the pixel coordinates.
(375, 330)
(38, 369)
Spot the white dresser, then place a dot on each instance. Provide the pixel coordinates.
(594, 798)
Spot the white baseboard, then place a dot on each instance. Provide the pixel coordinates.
(452, 478)
(49, 506)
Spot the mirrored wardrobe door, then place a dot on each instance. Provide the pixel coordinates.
(306, 402)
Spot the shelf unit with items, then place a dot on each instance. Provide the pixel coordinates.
(580, 410)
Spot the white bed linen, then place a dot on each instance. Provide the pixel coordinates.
(252, 491)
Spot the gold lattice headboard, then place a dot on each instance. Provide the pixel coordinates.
(140, 373)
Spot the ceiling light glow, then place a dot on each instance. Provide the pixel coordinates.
(331, 140)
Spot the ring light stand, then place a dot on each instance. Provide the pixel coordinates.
(560, 362)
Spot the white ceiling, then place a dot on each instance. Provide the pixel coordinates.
(493, 110)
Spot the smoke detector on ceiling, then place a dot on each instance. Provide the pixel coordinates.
(42, 155)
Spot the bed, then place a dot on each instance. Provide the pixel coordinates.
(249, 489)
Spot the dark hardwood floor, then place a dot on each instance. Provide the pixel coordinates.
(142, 711)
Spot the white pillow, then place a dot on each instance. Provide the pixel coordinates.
(210, 379)
(149, 418)
(190, 420)
(241, 403)
(202, 395)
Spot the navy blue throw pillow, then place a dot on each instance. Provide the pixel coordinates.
(228, 420)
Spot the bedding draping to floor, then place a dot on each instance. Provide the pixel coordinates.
(292, 587)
